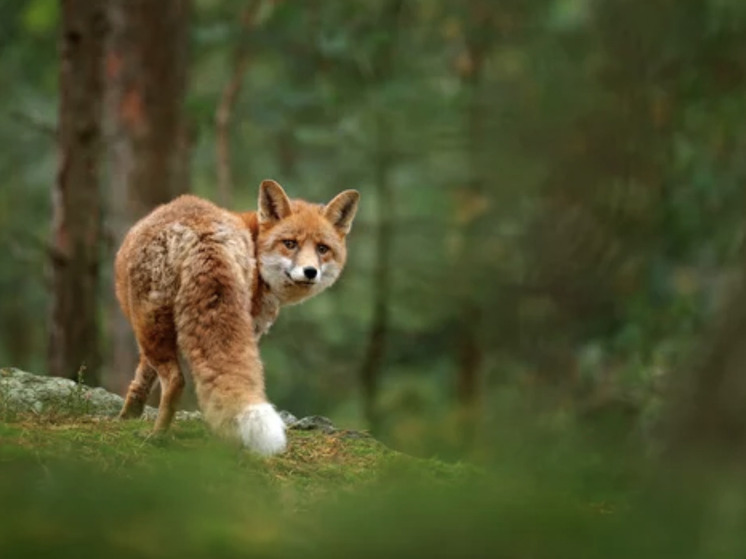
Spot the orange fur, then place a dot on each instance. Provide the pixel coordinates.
(195, 279)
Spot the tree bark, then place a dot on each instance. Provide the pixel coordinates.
(370, 370)
(76, 226)
(468, 199)
(146, 76)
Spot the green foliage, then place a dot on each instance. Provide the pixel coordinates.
(101, 486)
(567, 179)
(603, 138)
(41, 17)
(92, 488)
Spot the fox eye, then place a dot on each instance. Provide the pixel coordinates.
(323, 249)
(290, 244)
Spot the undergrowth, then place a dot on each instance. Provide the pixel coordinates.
(88, 487)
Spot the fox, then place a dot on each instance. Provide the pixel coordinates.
(203, 282)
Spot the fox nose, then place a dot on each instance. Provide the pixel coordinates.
(310, 272)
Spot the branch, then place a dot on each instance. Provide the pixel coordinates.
(34, 123)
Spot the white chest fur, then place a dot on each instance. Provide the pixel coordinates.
(266, 314)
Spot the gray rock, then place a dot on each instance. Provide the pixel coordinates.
(287, 417)
(314, 422)
(151, 413)
(352, 434)
(187, 415)
(22, 392)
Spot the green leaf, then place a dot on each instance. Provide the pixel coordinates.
(41, 16)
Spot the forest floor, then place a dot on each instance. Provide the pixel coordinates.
(314, 464)
(68, 484)
(86, 487)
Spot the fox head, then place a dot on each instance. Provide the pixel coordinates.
(301, 247)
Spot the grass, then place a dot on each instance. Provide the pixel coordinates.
(81, 487)
(344, 459)
(108, 485)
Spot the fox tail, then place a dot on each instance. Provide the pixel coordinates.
(216, 335)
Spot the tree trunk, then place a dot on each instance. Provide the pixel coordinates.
(468, 200)
(370, 370)
(228, 99)
(146, 69)
(375, 353)
(76, 230)
(287, 151)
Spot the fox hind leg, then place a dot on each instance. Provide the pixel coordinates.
(139, 389)
(172, 385)
(156, 336)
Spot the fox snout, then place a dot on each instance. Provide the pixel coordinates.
(306, 274)
(310, 272)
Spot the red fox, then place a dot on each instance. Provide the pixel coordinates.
(195, 279)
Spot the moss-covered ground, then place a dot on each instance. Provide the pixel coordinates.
(81, 487)
(73, 485)
(316, 463)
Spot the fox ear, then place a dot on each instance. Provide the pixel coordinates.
(274, 204)
(341, 211)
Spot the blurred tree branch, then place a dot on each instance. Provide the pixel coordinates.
(44, 128)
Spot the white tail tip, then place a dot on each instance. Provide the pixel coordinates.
(261, 429)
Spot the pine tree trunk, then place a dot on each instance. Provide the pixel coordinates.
(146, 69)
(228, 99)
(370, 371)
(372, 365)
(469, 203)
(76, 231)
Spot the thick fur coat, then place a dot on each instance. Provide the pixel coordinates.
(200, 281)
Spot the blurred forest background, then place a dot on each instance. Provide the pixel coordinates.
(552, 194)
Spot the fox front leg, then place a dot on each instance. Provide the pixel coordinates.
(266, 312)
